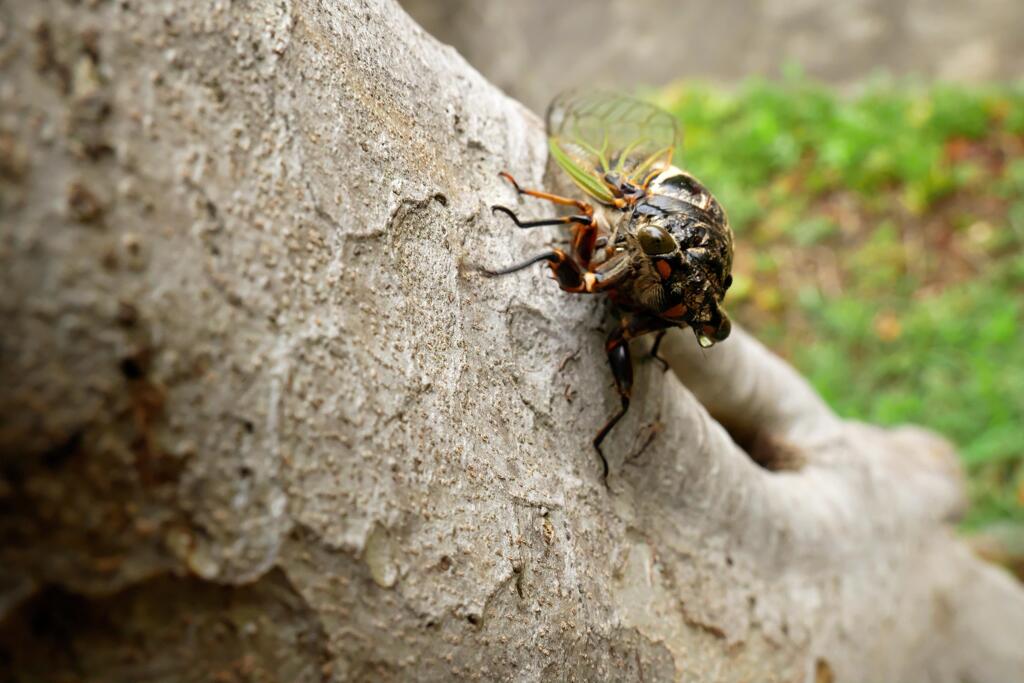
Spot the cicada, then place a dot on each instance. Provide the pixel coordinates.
(657, 243)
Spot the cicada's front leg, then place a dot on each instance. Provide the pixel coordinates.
(571, 277)
(585, 232)
(580, 219)
(584, 207)
(584, 242)
(654, 350)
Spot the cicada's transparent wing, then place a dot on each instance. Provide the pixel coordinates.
(595, 133)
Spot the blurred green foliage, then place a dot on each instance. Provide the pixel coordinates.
(881, 250)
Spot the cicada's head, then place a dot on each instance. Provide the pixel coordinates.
(691, 282)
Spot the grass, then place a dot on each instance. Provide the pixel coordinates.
(881, 250)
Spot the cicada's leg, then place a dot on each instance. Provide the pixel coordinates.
(584, 232)
(581, 219)
(617, 348)
(584, 207)
(584, 242)
(522, 265)
(654, 350)
(571, 277)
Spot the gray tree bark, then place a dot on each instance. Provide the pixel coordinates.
(261, 421)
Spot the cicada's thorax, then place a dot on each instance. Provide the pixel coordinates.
(687, 284)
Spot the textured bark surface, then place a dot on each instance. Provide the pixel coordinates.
(260, 420)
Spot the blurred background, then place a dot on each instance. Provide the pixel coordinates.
(534, 49)
(870, 154)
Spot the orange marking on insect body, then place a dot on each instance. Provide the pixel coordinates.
(664, 269)
(677, 311)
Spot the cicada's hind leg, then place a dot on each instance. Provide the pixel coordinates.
(617, 348)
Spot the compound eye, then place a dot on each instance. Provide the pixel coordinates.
(656, 241)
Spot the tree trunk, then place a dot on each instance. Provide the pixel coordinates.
(261, 420)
